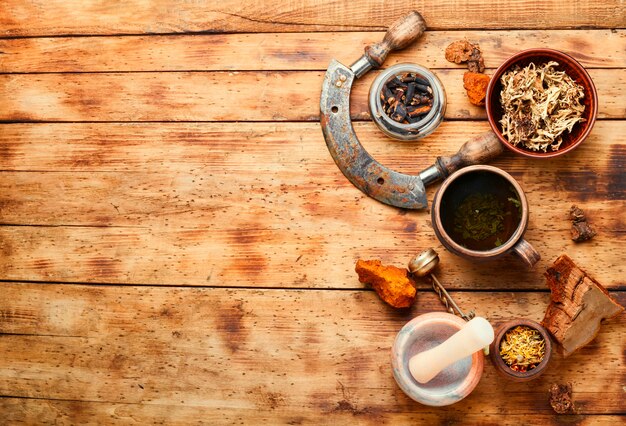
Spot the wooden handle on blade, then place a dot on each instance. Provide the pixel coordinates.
(480, 150)
(399, 35)
(474, 336)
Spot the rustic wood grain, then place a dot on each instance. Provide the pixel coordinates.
(318, 355)
(289, 218)
(31, 411)
(63, 17)
(291, 257)
(223, 96)
(288, 51)
(251, 222)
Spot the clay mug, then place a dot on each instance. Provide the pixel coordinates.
(490, 192)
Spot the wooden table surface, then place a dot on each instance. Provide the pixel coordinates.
(178, 246)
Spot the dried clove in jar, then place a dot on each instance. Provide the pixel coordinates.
(407, 98)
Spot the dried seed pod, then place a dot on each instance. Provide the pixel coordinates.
(421, 100)
(409, 93)
(423, 89)
(419, 111)
(421, 80)
(393, 83)
(398, 112)
(387, 93)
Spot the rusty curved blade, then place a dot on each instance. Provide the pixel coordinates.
(371, 177)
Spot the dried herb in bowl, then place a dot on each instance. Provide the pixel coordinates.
(522, 348)
(539, 103)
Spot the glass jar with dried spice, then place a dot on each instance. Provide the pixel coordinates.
(407, 101)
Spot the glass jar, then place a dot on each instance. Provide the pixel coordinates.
(427, 123)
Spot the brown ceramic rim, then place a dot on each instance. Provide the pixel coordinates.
(514, 239)
(529, 53)
(499, 362)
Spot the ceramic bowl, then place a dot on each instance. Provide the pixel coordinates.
(505, 370)
(573, 69)
(454, 382)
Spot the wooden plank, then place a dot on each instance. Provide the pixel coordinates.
(288, 51)
(176, 193)
(274, 353)
(293, 148)
(251, 205)
(316, 254)
(170, 16)
(37, 411)
(178, 200)
(222, 96)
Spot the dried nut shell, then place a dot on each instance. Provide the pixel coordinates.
(459, 51)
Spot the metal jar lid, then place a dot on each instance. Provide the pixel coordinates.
(411, 131)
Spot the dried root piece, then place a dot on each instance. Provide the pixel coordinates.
(539, 104)
(393, 285)
(476, 62)
(476, 86)
(474, 82)
(463, 51)
(578, 304)
(581, 230)
(561, 398)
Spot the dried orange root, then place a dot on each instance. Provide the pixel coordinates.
(393, 285)
(476, 86)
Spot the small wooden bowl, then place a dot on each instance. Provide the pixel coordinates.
(505, 370)
(573, 69)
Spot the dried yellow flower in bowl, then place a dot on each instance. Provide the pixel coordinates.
(521, 349)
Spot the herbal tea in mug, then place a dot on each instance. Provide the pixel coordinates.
(485, 220)
(481, 213)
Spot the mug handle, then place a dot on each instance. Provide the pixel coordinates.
(526, 252)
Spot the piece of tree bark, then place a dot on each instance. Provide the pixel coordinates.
(578, 305)
(394, 285)
(581, 230)
(561, 398)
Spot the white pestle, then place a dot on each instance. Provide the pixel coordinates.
(474, 336)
